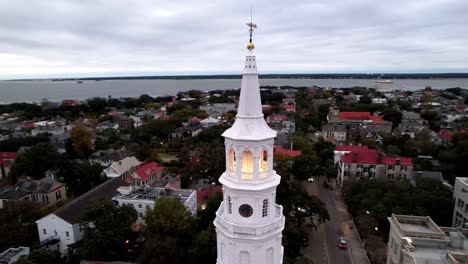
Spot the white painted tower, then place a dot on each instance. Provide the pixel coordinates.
(249, 223)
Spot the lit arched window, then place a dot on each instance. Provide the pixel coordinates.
(264, 161)
(229, 203)
(232, 159)
(247, 161)
(265, 208)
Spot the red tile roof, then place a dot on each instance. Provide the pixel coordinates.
(289, 107)
(359, 116)
(69, 102)
(289, 152)
(445, 134)
(370, 156)
(145, 171)
(28, 125)
(351, 148)
(277, 117)
(204, 194)
(8, 155)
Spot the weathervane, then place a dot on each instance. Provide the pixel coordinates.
(252, 26)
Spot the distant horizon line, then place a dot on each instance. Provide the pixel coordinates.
(382, 75)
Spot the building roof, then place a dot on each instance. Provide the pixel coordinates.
(8, 155)
(44, 185)
(13, 194)
(152, 193)
(359, 116)
(334, 127)
(434, 175)
(289, 107)
(371, 156)
(111, 154)
(351, 148)
(72, 211)
(289, 152)
(7, 255)
(204, 194)
(210, 120)
(124, 165)
(277, 117)
(145, 171)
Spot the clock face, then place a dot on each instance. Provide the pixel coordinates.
(245, 210)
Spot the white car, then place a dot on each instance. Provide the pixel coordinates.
(310, 179)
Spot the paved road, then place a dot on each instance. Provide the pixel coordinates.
(323, 243)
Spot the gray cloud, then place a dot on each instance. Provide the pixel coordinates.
(106, 37)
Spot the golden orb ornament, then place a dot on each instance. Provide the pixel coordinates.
(250, 46)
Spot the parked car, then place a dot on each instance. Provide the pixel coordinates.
(342, 243)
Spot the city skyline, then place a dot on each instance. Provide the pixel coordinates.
(104, 38)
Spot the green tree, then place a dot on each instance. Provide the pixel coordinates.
(203, 249)
(18, 226)
(81, 136)
(36, 161)
(310, 209)
(80, 176)
(393, 115)
(106, 229)
(169, 233)
(97, 105)
(182, 115)
(393, 150)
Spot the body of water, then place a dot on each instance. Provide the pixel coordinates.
(35, 91)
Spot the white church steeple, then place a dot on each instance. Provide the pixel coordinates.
(249, 223)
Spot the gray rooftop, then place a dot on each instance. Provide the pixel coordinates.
(10, 253)
(333, 127)
(72, 211)
(13, 194)
(153, 193)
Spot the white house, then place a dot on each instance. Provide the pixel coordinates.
(62, 227)
(460, 196)
(122, 168)
(208, 122)
(142, 198)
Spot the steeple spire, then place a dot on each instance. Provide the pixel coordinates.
(250, 124)
(249, 223)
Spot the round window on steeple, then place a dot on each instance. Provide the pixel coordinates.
(245, 210)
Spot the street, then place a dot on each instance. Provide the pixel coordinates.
(323, 242)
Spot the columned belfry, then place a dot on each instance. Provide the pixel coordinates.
(249, 223)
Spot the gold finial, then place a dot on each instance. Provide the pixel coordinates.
(252, 26)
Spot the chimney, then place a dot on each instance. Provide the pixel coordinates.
(355, 157)
(398, 161)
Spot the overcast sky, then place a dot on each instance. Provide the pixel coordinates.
(57, 38)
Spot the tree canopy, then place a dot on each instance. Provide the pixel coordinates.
(169, 231)
(36, 161)
(106, 229)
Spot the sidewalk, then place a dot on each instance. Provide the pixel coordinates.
(356, 250)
